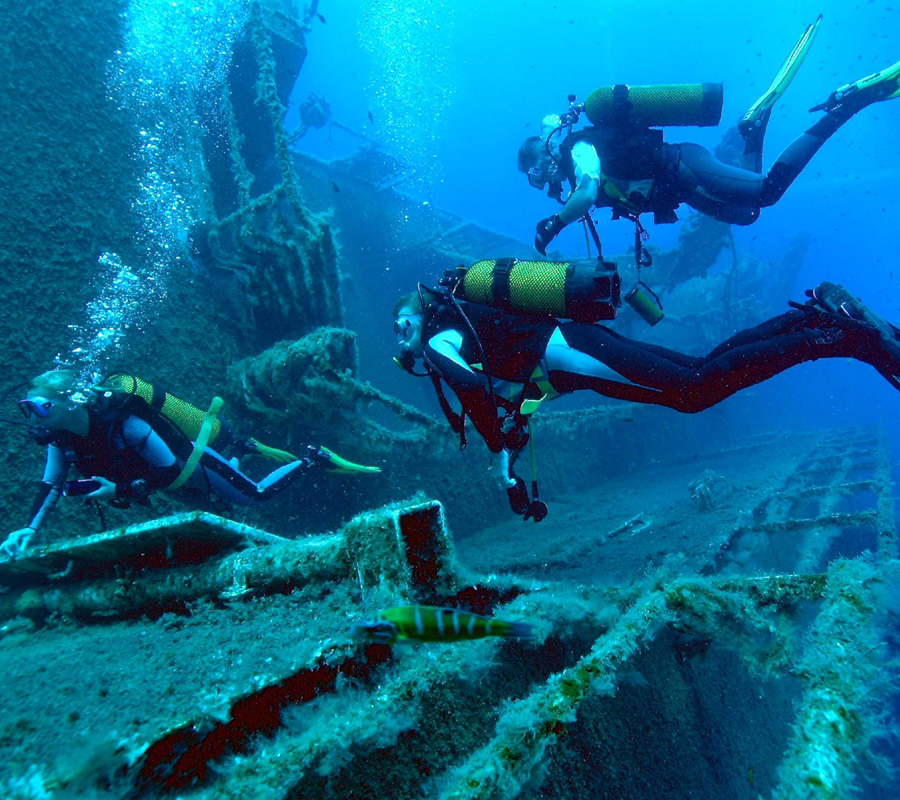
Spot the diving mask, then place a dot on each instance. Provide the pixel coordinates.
(37, 406)
(537, 178)
(405, 328)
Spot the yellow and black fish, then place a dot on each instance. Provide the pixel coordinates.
(431, 624)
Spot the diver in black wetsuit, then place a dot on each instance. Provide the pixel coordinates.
(496, 363)
(629, 168)
(129, 449)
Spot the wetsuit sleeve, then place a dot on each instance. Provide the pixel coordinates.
(586, 161)
(50, 486)
(442, 351)
(148, 444)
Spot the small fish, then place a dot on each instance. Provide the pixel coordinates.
(371, 118)
(431, 624)
(321, 19)
(751, 774)
(335, 187)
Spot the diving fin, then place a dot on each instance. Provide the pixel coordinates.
(757, 117)
(835, 299)
(260, 449)
(884, 85)
(334, 463)
(528, 407)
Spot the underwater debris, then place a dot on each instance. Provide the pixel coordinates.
(708, 489)
(180, 559)
(815, 504)
(528, 728)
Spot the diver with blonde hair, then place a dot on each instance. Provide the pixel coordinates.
(129, 439)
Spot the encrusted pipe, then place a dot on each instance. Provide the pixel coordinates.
(259, 570)
(841, 669)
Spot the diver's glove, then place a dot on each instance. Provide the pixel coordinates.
(499, 470)
(517, 494)
(546, 231)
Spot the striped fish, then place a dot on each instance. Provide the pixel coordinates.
(431, 624)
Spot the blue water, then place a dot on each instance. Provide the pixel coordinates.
(490, 72)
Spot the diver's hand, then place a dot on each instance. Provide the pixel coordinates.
(499, 470)
(17, 542)
(107, 490)
(546, 232)
(517, 494)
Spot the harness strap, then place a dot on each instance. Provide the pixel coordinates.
(457, 421)
(621, 103)
(500, 285)
(159, 398)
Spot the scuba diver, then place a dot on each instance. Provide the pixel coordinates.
(129, 439)
(622, 162)
(498, 334)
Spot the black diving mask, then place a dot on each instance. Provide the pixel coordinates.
(402, 326)
(537, 178)
(406, 326)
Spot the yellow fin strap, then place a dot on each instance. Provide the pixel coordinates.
(199, 446)
(281, 456)
(339, 464)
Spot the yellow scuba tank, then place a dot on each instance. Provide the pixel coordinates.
(185, 417)
(584, 291)
(692, 104)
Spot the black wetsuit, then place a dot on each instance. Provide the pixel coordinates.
(516, 346)
(513, 347)
(689, 173)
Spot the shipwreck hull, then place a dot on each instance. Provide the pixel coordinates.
(221, 664)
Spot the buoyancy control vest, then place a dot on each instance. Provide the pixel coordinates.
(636, 169)
(176, 421)
(509, 346)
